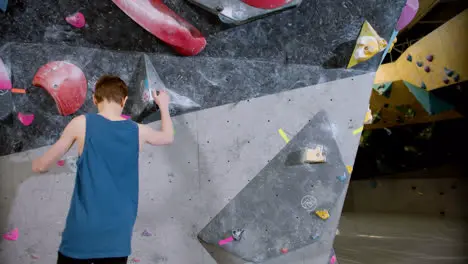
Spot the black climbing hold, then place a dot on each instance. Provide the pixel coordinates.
(386, 105)
(219, 8)
(446, 81)
(419, 63)
(409, 58)
(423, 86)
(456, 77)
(430, 57)
(448, 72)
(427, 69)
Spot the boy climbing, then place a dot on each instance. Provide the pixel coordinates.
(104, 204)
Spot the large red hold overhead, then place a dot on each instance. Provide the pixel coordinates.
(266, 4)
(163, 23)
(65, 82)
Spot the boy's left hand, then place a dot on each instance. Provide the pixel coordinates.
(37, 166)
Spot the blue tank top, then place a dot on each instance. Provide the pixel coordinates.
(105, 198)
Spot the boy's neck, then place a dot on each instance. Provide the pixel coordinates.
(110, 110)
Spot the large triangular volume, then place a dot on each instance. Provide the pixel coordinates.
(368, 44)
(431, 103)
(286, 206)
(147, 79)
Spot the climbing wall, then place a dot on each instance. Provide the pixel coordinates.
(428, 78)
(228, 104)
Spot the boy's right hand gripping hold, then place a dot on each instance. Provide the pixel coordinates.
(166, 134)
(161, 98)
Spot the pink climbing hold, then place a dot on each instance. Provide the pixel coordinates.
(26, 119)
(165, 24)
(12, 235)
(5, 83)
(284, 250)
(226, 241)
(61, 163)
(125, 116)
(136, 260)
(77, 20)
(408, 13)
(333, 260)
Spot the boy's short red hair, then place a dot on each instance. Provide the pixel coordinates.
(110, 88)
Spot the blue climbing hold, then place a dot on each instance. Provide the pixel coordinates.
(423, 86)
(409, 58)
(342, 178)
(448, 72)
(419, 63)
(3, 5)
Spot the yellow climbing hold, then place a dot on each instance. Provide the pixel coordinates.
(359, 130)
(283, 135)
(323, 214)
(349, 168)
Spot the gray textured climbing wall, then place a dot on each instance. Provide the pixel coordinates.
(251, 80)
(216, 153)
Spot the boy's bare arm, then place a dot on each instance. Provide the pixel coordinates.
(166, 134)
(65, 142)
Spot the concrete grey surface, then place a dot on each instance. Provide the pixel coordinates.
(215, 154)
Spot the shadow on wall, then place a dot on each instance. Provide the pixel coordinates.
(341, 56)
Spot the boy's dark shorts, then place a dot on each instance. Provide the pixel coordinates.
(66, 260)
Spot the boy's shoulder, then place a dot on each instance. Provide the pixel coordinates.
(78, 125)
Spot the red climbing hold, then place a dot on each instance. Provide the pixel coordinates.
(26, 119)
(5, 83)
(284, 250)
(166, 25)
(61, 163)
(65, 82)
(266, 4)
(77, 20)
